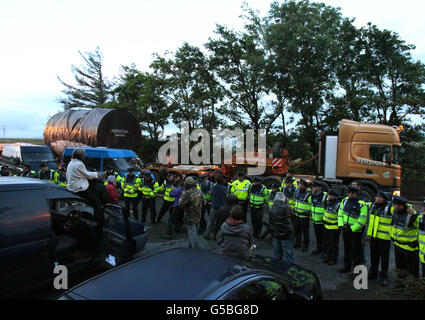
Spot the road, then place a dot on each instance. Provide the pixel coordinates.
(335, 286)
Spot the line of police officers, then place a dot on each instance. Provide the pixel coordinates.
(386, 219)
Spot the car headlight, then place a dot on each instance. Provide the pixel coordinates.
(396, 193)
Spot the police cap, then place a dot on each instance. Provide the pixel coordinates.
(383, 195)
(400, 200)
(333, 192)
(44, 164)
(241, 174)
(304, 182)
(352, 188)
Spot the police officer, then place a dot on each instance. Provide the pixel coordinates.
(422, 240)
(149, 189)
(379, 228)
(302, 214)
(330, 221)
(166, 186)
(205, 186)
(45, 173)
(60, 177)
(258, 195)
(352, 218)
(274, 189)
(28, 173)
(318, 199)
(404, 233)
(240, 188)
(130, 185)
(288, 177)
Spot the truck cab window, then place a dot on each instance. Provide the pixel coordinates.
(381, 153)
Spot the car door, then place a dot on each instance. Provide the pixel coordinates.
(124, 236)
(25, 240)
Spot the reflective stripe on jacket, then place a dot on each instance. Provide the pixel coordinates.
(354, 217)
(380, 219)
(405, 230)
(302, 204)
(330, 217)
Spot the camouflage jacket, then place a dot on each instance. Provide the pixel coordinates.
(192, 200)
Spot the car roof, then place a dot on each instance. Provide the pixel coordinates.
(103, 152)
(53, 191)
(174, 274)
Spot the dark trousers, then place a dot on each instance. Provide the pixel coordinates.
(91, 197)
(423, 270)
(166, 206)
(133, 202)
(319, 232)
(175, 212)
(331, 242)
(148, 204)
(244, 205)
(302, 232)
(379, 254)
(203, 222)
(256, 220)
(407, 260)
(352, 247)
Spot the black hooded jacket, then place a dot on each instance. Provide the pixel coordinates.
(280, 226)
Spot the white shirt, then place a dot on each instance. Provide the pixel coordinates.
(77, 176)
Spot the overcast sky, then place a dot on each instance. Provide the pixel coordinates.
(41, 39)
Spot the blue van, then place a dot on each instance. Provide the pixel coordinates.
(98, 159)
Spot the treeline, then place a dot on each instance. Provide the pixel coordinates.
(302, 66)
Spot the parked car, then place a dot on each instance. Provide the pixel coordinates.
(15, 155)
(191, 274)
(43, 225)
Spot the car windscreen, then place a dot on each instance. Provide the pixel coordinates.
(122, 164)
(37, 156)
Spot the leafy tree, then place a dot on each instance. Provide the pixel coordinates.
(301, 37)
(141, 94)
(92, 89)
(396, 81)
(190, 88)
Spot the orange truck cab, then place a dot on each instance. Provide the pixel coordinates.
(369, 153)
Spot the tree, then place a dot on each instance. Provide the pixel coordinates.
(141, 94)
(301, 38)
(395, 80)
(190, 88)
(92, 89)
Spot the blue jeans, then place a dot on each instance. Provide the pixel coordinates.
(192, 232)
(212, 218)
(283, 249)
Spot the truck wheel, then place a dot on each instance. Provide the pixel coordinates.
(269, 181)
(370, 192)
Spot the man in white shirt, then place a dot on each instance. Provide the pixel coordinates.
(78, 176)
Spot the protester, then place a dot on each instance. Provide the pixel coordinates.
(280, 228)
(176, 211)
(78, 182)
(224, 212)
(218, 194)
(235, 235)
(112, 190)
(192, 201)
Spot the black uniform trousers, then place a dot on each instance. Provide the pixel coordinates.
(423, 270)
(319, 232)
(133, 202)
(331, 241)
(407, 260)
(244, 205)
(148, 204)
(256, 220)
(352, 247)
(379, 254)
(166, 206)
(302, 232)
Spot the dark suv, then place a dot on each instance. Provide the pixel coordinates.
(43, 225)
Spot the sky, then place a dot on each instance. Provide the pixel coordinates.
(40, 40)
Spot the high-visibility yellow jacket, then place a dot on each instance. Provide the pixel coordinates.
(352, 214)
(330, 217)
(302, 204)
(380, 219)
(166, 186)
(317, 207)
(405, 230)
(149, 188)
(422, 238)
(258, 197)
(130, 186)
(240, 189)
(290, 195)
